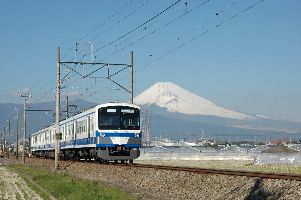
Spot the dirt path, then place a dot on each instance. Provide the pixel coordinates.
(13, 187)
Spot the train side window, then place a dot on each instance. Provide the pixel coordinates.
(91, 124)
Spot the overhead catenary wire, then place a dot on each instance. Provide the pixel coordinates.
(135, 34)
(158, 29)
(86, 35)
(100, 34)
(146, 22)
(107, 20)
(136, 28)
(170, 22)
(120, 20)
(204, 32)
(216, 26)
(221, 11)
(188, 41)
(187, 12)
(116, 13)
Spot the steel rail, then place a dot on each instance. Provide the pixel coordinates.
(227, 172)
(264, 175)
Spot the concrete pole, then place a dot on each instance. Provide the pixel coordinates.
(8, 137)
(4, 141)
(132, 85)
(17, 134)
(57, 114)
(67, 107)
(24, 125)
(132, 78)
(24, 130)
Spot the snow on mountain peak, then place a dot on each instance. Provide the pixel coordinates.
(176, 99)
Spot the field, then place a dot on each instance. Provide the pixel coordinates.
(229, 164)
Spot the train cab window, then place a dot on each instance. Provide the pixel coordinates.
(130, 118)
(118, 117)
(108, 118)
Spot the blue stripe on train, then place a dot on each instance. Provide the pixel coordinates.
(83, 141)
(92, 140)
(114, 145)
(123, 134)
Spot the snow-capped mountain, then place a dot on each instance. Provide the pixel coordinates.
(176, 99)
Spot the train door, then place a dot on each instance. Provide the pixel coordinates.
(65, 132)
(74, 132)
(88, 130)
(91, 129)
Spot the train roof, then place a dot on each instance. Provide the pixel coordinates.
(87, 110)
(118, 104)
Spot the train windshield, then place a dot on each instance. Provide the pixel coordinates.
(118, 117)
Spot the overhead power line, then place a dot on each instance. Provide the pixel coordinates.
(158, 29)
(197, 36)
(231, 18)
(107, 20)
(136, 28)
(116, 13)
(120, 20)
(133, 30)
(203, 33)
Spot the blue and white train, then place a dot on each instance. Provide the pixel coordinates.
(107, 132)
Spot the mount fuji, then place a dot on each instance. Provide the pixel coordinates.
(176, 112)
(176, 99)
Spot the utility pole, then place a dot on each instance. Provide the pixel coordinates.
(17, 134)
(100, 65)
(58, 135)
(1, 140)
(4, 141)
(132, 78)
(146, 128)
(67, 107)
(24, 125)
(8, 137)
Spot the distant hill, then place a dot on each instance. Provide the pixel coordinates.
(175, 113)
(35, 120)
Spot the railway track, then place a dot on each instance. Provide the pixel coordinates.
(263, 175)
(166, 182)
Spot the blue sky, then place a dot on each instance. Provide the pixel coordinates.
(250, 64)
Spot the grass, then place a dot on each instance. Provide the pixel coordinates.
(62, 186)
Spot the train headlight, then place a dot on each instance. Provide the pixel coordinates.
(137, 135)
(102, 134)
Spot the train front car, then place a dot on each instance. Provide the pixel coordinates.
(118, 134)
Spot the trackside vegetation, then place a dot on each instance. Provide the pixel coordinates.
(62, 186)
